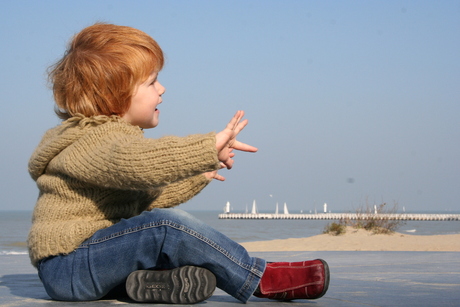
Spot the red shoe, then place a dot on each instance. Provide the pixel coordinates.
(294, 280)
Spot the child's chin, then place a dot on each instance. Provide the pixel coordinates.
(153, 125)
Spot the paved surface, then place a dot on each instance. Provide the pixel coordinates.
(357, 279)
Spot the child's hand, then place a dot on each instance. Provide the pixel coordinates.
(226, 140)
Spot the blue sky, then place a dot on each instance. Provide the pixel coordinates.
(349, 102)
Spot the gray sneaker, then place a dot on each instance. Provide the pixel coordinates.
(184, 285)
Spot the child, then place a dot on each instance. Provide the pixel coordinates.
(104, 214)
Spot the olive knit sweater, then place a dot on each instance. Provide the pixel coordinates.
(92, 172)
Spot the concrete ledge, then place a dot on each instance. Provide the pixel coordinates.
(357, 278)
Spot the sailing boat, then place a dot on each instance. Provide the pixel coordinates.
(254, 208)
(285, 209)
(227, 207)
(276, 210)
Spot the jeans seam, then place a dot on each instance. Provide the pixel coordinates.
(175, 226)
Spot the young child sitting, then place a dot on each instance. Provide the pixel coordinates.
(104, 215)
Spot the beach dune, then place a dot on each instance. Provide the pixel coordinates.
(360, 240)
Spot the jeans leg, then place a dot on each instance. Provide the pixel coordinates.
(160, 239)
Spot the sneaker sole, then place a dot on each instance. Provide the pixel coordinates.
(184, 285)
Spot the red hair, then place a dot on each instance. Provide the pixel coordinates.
(101, 68)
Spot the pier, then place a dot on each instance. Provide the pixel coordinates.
(342, 216)
(255, 215)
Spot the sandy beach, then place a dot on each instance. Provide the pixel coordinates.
(360, 240)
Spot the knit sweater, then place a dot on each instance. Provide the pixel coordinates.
(92, 172)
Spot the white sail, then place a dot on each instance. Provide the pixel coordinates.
(285, 209)
(276, 210)
(227, 208)
(254, 207)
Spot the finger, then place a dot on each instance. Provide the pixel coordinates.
(228, 163)
(240, 126)
(235, 120)
(219, 177)
(243, 147)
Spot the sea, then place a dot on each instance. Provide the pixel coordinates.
(14, 227)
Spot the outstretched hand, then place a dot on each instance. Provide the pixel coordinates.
(226, 140)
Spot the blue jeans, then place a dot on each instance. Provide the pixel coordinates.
(157, 239)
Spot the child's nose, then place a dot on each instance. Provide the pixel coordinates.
(161, 89)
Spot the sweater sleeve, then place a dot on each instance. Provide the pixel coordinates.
(114, 156)
(180, 192)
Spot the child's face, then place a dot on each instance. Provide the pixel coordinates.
(143, 110)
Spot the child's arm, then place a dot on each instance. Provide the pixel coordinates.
(113, 155)
(180, 192)
(125, 161)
